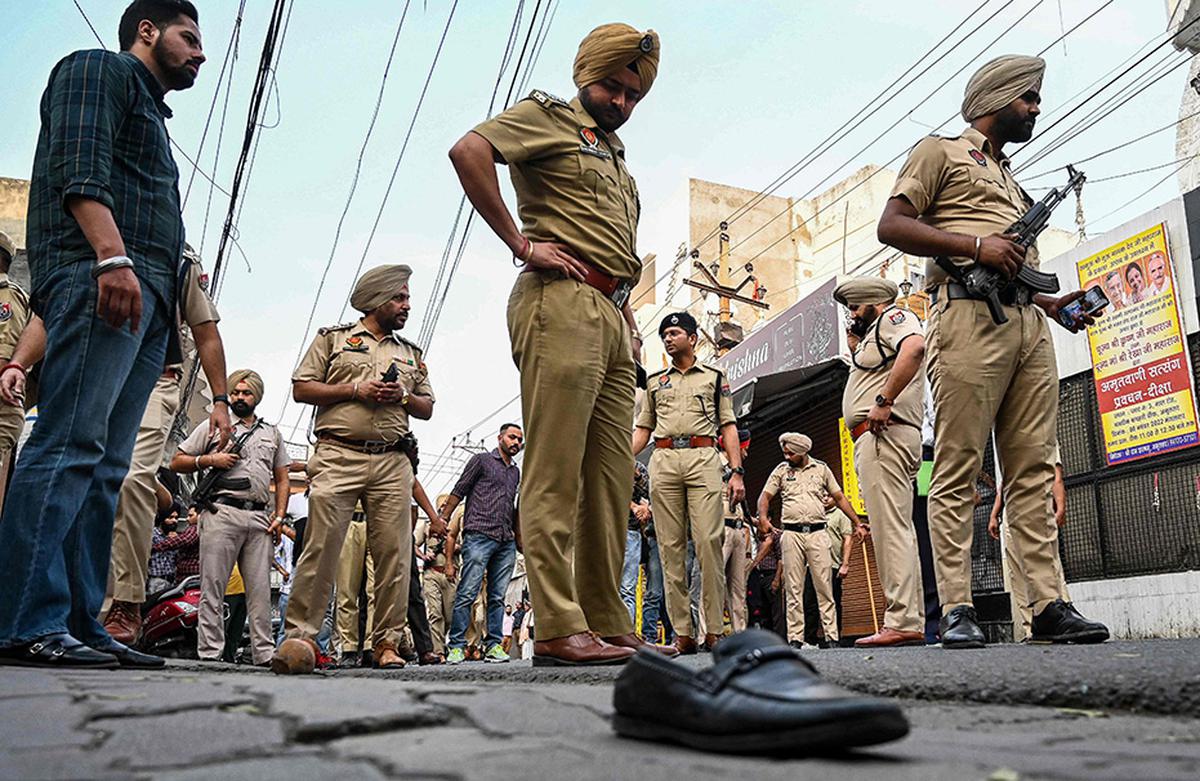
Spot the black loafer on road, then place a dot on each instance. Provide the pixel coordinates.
(58, 651)
(759, 697)
(127, 657)
(1060, 622)
(960, 629)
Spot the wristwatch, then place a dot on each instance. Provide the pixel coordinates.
(737, 470)
(883, 401)
(404, 400)
(221, 398)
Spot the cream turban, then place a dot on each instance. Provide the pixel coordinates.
(1000, 82)
(249, 377)
(795, 443)
(866, 290)
(6, 245)
(379, 285)
(611, 47)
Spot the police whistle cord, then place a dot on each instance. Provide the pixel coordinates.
(985, 284)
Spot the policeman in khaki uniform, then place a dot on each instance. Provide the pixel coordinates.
(136, 505)
(362, 454)
(736, 542)
(802, 482)
(14, 316)
(954, 198)
(438, 588)
(240, 526)
(571, 328)
(883, 406)
(686, 406)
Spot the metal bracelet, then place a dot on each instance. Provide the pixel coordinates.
(109, 264)
(978, 245)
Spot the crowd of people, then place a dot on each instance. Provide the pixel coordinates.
(557, 575)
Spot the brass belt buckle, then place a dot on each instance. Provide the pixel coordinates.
(681, 442)
(621, 294)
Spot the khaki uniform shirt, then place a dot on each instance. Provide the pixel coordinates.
(838, 527)
(571, 180)
(14, 316)
(872, 362)
(958, 185)
(802, 490)
(350, 353)
(437, 545)
(261, 455)
(692, 403)
(195, 308)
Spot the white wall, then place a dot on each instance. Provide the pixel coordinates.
(1147, 606)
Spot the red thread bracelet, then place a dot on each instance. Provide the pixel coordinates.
(14, 365)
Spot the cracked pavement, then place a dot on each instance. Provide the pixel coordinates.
(1117, 711)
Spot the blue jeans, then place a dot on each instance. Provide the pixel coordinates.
(56, 530)
(652, 595)
(482, 554)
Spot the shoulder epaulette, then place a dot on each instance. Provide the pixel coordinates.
(402, 340)
(655, 374)
(331, 328)
(547, 100)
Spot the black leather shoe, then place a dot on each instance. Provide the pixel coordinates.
(127, 657)
(59, 651)
(759, 697)
(1060, 622)
(960, 629)
(796, 644)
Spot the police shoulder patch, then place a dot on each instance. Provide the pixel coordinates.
(896, 318)
(547, 100)
(331, 328)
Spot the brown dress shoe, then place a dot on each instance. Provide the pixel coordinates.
(635, 642)
(124, 622)
(387, 658)
(579, 649)
(888, 637)
(686, 646)
(429, 657)
(711, 640)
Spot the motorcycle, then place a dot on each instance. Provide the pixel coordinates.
(169, 622)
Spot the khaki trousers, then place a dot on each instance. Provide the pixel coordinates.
(439, 605)
(803, 551)
(229, 536)
(1018, 585)
(12, 423)
(136, 504)
(352, 564)
(1000, 378)
(887, 464)
(340, 478)
(572, 347)
(685, 492)
(734, 553)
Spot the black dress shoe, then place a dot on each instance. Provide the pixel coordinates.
(1060, 622)
(759, 697)
(960, 629)
(127, 657)
(796, 644)
(59, 651)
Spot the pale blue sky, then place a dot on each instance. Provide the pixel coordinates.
(744, 90)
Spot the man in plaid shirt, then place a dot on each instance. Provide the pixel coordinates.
(105, 243)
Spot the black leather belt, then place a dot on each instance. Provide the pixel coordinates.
(803, 528)
(1010, 295)
(241, 504)
(733, 524)
(370, 447)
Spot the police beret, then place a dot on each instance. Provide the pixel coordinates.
(678, 320)
(866, 290)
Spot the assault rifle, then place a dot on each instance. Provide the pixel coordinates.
(214, 479)
(990, 285)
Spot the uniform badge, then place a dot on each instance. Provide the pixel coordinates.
(646, 44)
(591, 144)
(355, 344)
(725, 391)
(664, 382)
(5, 312)
(896, 318)
(978, 157)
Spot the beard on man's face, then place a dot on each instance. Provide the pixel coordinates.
(1015, 126)
(176, 69)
